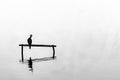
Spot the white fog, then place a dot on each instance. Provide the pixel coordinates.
(86, 33)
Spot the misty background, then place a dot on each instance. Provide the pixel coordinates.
(86, 33)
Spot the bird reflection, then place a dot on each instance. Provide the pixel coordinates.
(30, 64)
(30, 61)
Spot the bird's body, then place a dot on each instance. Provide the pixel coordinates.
(29, 40)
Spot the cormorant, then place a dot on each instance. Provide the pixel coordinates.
(29, 40)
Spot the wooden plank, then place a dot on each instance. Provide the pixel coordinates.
(38, 45)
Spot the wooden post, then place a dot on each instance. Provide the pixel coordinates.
(53, 52)
(22, 53)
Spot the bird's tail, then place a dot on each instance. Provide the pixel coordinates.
(29, 46)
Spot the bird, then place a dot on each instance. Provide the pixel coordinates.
(29, 40)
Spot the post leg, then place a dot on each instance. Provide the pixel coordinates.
(53, 53)
(22, 54)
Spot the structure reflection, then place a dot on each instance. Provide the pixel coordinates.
(30, 64)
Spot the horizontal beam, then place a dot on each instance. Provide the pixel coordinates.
(38, 45)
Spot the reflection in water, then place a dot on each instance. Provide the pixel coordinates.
(30, 64)
(30, 61)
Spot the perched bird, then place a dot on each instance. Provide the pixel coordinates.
(29, 40)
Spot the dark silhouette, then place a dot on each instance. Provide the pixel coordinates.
(37, 45)
(30, 63)
(53, 52)
(29, 40)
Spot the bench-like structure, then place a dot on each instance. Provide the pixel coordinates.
(36, 45)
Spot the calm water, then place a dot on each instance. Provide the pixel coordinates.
(86, 34)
